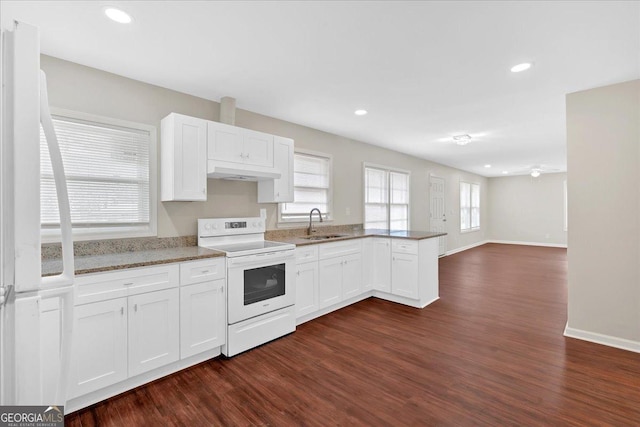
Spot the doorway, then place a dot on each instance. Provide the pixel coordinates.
(437, 211)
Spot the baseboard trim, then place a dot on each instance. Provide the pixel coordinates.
(608, 340)
(514, 242)
(465, 248)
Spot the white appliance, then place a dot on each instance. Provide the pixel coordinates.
(34, 349)
(260, 281)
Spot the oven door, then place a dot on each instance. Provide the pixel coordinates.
(260, 283)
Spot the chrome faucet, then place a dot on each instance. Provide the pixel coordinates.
(310, 230)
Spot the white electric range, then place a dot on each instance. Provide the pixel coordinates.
(260, 281)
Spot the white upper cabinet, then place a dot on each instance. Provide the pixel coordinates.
(232, 144)
(224, 143)
(183, 158)
(258, 148)
(279, 190)
(193, 150)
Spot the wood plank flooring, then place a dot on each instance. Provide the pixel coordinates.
(489, 352)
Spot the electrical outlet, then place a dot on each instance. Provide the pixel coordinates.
(348, 211)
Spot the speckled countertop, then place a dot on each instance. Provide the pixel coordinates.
(117, 261)
(118, 254)
(411, 235)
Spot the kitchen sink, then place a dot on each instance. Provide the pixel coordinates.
(324, 236)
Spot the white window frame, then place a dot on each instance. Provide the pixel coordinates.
(97, 233)
(366, 165)
(326, 217)
(471, 184)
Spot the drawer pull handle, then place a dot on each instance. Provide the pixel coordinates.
(121, 311)
(135, 308)
(205, 271)
(127, 284)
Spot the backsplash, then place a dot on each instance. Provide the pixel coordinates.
(302, 231)
(113, 246)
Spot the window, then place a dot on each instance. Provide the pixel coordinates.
(469, 206)
(110, 167)
(386, 198)
(311, 187)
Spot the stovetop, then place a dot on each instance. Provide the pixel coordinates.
(237, 236)
(249, 246)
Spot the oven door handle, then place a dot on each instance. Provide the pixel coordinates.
(269, 258)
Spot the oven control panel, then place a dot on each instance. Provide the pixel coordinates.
(235, 224)
(212, 227)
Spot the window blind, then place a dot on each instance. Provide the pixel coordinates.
(386, 199)
(107, 171)
(311, 187)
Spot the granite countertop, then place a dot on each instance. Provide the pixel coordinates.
(409, 234)
(118, 261)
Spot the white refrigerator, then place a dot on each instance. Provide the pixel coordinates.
(36, 313)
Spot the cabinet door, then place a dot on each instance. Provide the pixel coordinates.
(404, 271)
(224, 143)
(279, 190)
(153, 330)
(183, 158)
(257, 148)
(381, 269)
(50, 328)
(330, 281)
(306, 288)
(351, 276)
(99, 348)
(202, 317)
(283, 160)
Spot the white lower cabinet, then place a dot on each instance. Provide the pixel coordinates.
(330, 281)
(306, 288)
(99, 350)
(339, 272)
(50, 327)
(131, 322)
(405, 275)
(352, 276)
(153, 330)
(202, 317)
(381, 264)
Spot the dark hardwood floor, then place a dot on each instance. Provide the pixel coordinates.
(489, 352)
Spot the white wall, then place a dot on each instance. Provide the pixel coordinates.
(603, 135)
(80, 88)
(527, 209)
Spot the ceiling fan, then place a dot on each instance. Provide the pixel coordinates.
(537, 170)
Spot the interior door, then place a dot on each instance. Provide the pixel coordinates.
(437, 211)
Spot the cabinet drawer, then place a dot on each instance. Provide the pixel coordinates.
(348, 247)
(202, 271)
(307, 253)
(121, 283)
(404, 246)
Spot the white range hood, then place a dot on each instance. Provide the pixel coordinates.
(240, 173)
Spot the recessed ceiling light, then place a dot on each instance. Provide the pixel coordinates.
(462, 139)
(505, 172)
(521, 67)
(487, 166)
(118, 15)
(360, 112)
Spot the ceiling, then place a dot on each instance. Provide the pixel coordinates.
(425, 71)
